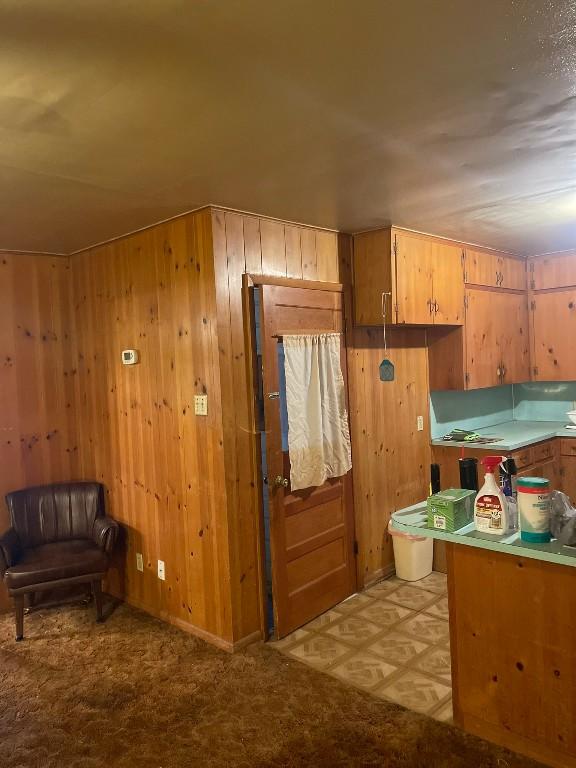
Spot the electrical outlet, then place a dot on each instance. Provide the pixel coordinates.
(161, 570)
(201, 405)
(420, 423)
(139, 561)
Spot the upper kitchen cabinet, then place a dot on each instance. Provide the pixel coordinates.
(497, 339)
(420, 277)
(553, 334)
(552, 271)
(494, 270)
(491, 349)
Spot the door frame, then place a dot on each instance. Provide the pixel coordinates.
(250, 281)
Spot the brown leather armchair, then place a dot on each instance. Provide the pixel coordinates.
(59, 536)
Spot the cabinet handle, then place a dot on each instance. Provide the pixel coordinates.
(499, 372)
(436, 307)
(429, 302)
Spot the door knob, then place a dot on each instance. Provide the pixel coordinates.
(281, 482)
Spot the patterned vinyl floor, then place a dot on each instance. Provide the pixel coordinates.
(391, 640)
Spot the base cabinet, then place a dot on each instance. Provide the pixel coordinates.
(512, 627)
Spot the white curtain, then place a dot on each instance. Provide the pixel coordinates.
(318, 434)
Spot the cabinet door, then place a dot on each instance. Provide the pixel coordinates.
(497, 344)
(568, 477)
(413, 278)
(495, 270)
(448, 284)
(550, 470)
(554, 331)
(483, 327)
(514, 337)
(512, 273)
(557, 271)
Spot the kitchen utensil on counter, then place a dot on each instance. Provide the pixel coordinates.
(572, 416)
(468, 436)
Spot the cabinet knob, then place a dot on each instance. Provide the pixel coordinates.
(281, 482)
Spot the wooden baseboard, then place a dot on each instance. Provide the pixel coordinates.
(220, 642)
(376, 576)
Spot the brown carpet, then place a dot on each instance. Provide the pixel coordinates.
(136, 692)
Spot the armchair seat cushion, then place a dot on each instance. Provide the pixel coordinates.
(56, 561)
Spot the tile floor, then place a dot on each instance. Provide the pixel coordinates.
(391, 640)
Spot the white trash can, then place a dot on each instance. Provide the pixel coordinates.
(413, 555)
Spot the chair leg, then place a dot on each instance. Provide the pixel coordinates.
(19, 612)
(97, 592)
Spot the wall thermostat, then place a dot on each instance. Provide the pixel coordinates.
(130, 356)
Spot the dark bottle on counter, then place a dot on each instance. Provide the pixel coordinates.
(468, 474)
(435, 478)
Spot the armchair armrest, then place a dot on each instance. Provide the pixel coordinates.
(10, 549)
(105, 533)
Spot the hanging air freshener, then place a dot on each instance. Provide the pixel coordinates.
(386, 366)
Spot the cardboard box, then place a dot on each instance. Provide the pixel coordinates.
(451, 509)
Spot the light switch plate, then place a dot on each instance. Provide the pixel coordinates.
(139, 561)
(420, 423)
(161, 570)
(201, 405)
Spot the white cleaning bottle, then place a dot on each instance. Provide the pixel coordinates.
(490, 508)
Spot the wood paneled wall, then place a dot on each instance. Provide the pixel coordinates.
(37, 431)
(184, 487)
(259, 246)
(163, 466)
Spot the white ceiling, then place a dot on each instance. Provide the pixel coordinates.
(447, 116)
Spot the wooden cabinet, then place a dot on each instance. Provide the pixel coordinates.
(494, 270)
(552, 271)
(421, 277)
(537, 460)
(492, 349)
(553, 332)
(429, 280)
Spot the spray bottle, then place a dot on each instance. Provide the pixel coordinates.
(491, 508)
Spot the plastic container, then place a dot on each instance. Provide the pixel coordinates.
(491, 508)
(534, 509)
(413, 555)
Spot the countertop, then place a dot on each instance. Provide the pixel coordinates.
(412, 520)
(515, 434)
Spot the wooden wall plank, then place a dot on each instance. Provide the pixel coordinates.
(37, 436)
(309, 259)
(273, 241)
(163, 465)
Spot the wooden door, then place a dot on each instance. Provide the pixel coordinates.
(512, 309)
(312, 530)
(414, 290)
(495, 270)
(447, 284)
(554, 331)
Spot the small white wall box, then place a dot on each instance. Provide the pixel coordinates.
(130, 356)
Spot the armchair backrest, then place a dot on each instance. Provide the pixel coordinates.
(48, 513)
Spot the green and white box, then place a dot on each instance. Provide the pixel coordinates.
(451, 509)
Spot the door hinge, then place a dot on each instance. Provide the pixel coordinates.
(467, 378)
(273, 395)
(532, 285)
(395, 246)
(355, 547)
(531, 266)
(465, 301)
